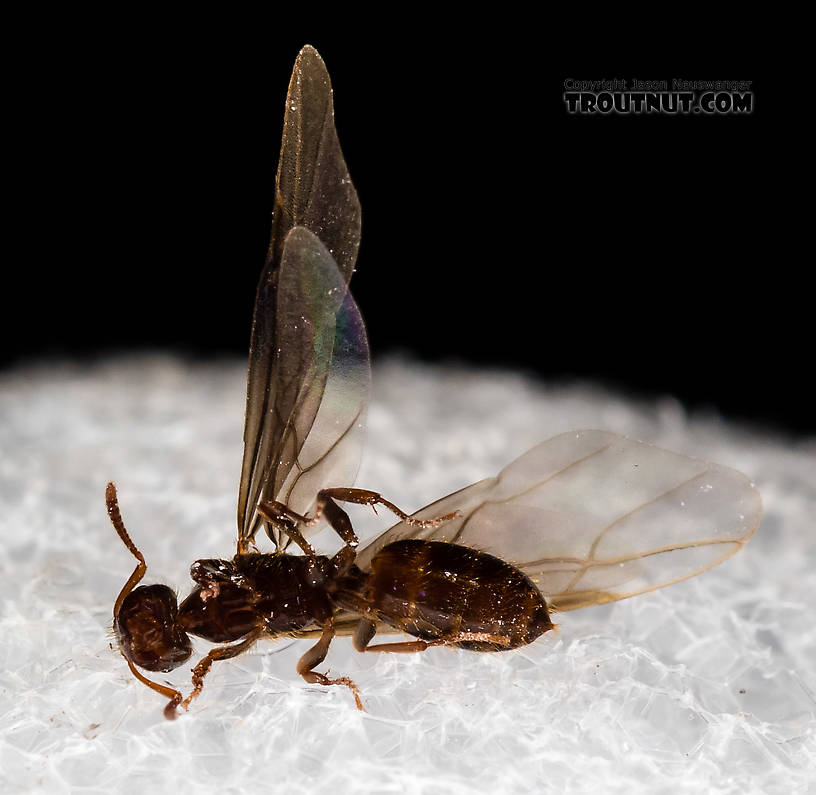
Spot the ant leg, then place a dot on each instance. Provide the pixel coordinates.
(421, 645)
(203, 668)
(343, 561)
(287, 520)
(363, 633)
(284, 517)
(174, 695)
(366, 629)
(281, 517)
(316, 655)
(327, 506)
(112, 502)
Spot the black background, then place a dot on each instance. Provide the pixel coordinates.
(645, 252)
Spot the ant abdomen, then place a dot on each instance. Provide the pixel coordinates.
(435, 590)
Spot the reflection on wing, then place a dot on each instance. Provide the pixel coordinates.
(323, 439)
(591, 517)
(323, 374)
(313, 189)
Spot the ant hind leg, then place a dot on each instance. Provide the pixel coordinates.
(366, 629)
(288, 521)
(326, 505)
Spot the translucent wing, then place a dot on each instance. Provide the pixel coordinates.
(313, 189)
(322, 441)
(345, 623)
(323, 374)
(591, 517)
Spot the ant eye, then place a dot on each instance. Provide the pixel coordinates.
(148, 630)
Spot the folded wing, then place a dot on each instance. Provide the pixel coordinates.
(313, 190)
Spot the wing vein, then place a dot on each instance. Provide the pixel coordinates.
(585, 565)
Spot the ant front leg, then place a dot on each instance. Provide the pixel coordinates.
(203, 668)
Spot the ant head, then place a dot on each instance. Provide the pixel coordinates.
(145, 619)
(148, 630)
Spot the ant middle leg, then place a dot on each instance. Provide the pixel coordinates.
(316, 655)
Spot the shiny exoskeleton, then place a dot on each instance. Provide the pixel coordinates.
(586, 517)
(430, 589)
(276, 594)
(439, 592)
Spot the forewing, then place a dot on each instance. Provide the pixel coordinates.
(323, 449)
(591, 517)
(323, 374)
(313, 186)
(312, 189)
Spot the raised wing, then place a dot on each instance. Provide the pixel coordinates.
(591, 517)
(313, 189)
(323, 373)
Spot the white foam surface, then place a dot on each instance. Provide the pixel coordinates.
(706, 686)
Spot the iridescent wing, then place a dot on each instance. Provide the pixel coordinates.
(323, 373)
(313, 190)
(591, 517)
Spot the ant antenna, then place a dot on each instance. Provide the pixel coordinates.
(116, 520)
(138, 573)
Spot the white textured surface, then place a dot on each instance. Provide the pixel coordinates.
(707, 686)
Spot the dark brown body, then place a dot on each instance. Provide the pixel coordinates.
(308, 386)
(441, 593)
(278, 594)
(435, 590)
(429, 589)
